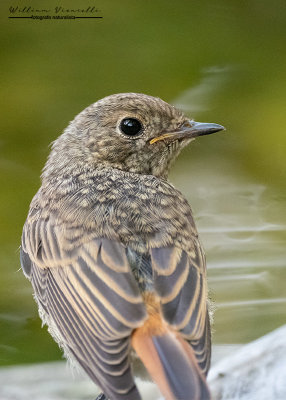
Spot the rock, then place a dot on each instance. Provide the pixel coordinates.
(54, 381)
(257, 371)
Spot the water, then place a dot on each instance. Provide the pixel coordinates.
(243, 228)
(220, 62)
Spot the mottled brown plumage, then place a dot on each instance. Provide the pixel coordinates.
(112, 250)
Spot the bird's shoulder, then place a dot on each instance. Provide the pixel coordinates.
(128, 207)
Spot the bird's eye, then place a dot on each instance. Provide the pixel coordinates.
(131, 127)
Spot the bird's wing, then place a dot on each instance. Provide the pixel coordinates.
(180, 283)
(89, 297)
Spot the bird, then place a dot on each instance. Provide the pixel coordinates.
(111, 249)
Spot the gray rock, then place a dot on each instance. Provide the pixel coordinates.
(54, 381)
(257, 371)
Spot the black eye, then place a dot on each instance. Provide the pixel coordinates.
(130, 126)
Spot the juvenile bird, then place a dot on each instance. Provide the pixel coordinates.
(112, 251)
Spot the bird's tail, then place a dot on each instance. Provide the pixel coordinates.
(171, 363)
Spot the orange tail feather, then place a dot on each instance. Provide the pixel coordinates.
(170, 361)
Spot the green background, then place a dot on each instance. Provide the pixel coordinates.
(221, 61)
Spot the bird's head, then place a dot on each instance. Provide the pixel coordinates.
(132, 132)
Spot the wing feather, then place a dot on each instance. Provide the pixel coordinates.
(89, 292)
(179, 280)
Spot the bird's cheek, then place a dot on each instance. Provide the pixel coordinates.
(111, 153)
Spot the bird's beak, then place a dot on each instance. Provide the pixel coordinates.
(189, 130)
